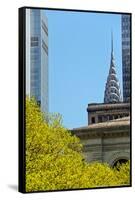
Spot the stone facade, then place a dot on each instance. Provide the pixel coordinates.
(102, 112)
(106, 142)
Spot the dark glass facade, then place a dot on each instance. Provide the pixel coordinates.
(126, 61)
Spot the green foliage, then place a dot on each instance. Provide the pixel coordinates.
(54, 159)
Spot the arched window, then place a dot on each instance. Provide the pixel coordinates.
(120, 162)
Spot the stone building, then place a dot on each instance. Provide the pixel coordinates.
(106, 142)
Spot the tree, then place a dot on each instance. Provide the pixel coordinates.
(53, 156)
(122, 172)
(54, 159)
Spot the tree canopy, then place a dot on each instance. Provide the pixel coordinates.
(54, 158)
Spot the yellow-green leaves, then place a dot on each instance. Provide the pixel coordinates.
(54, 159)
(122, 173)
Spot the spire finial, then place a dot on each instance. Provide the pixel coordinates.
(112, 40)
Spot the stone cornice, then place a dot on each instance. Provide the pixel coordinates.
(88, 135)
(106, 129)
(104, 106)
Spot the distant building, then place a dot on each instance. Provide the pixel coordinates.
(113, 107)
(112, 92)
(37, 57)
(126, 62)
(106, 138)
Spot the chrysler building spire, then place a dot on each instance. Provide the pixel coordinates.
(112, 43)
(112, 92)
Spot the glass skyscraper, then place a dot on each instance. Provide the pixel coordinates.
(37, 57)
(126, 62)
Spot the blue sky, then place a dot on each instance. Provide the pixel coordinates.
(79, 60)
